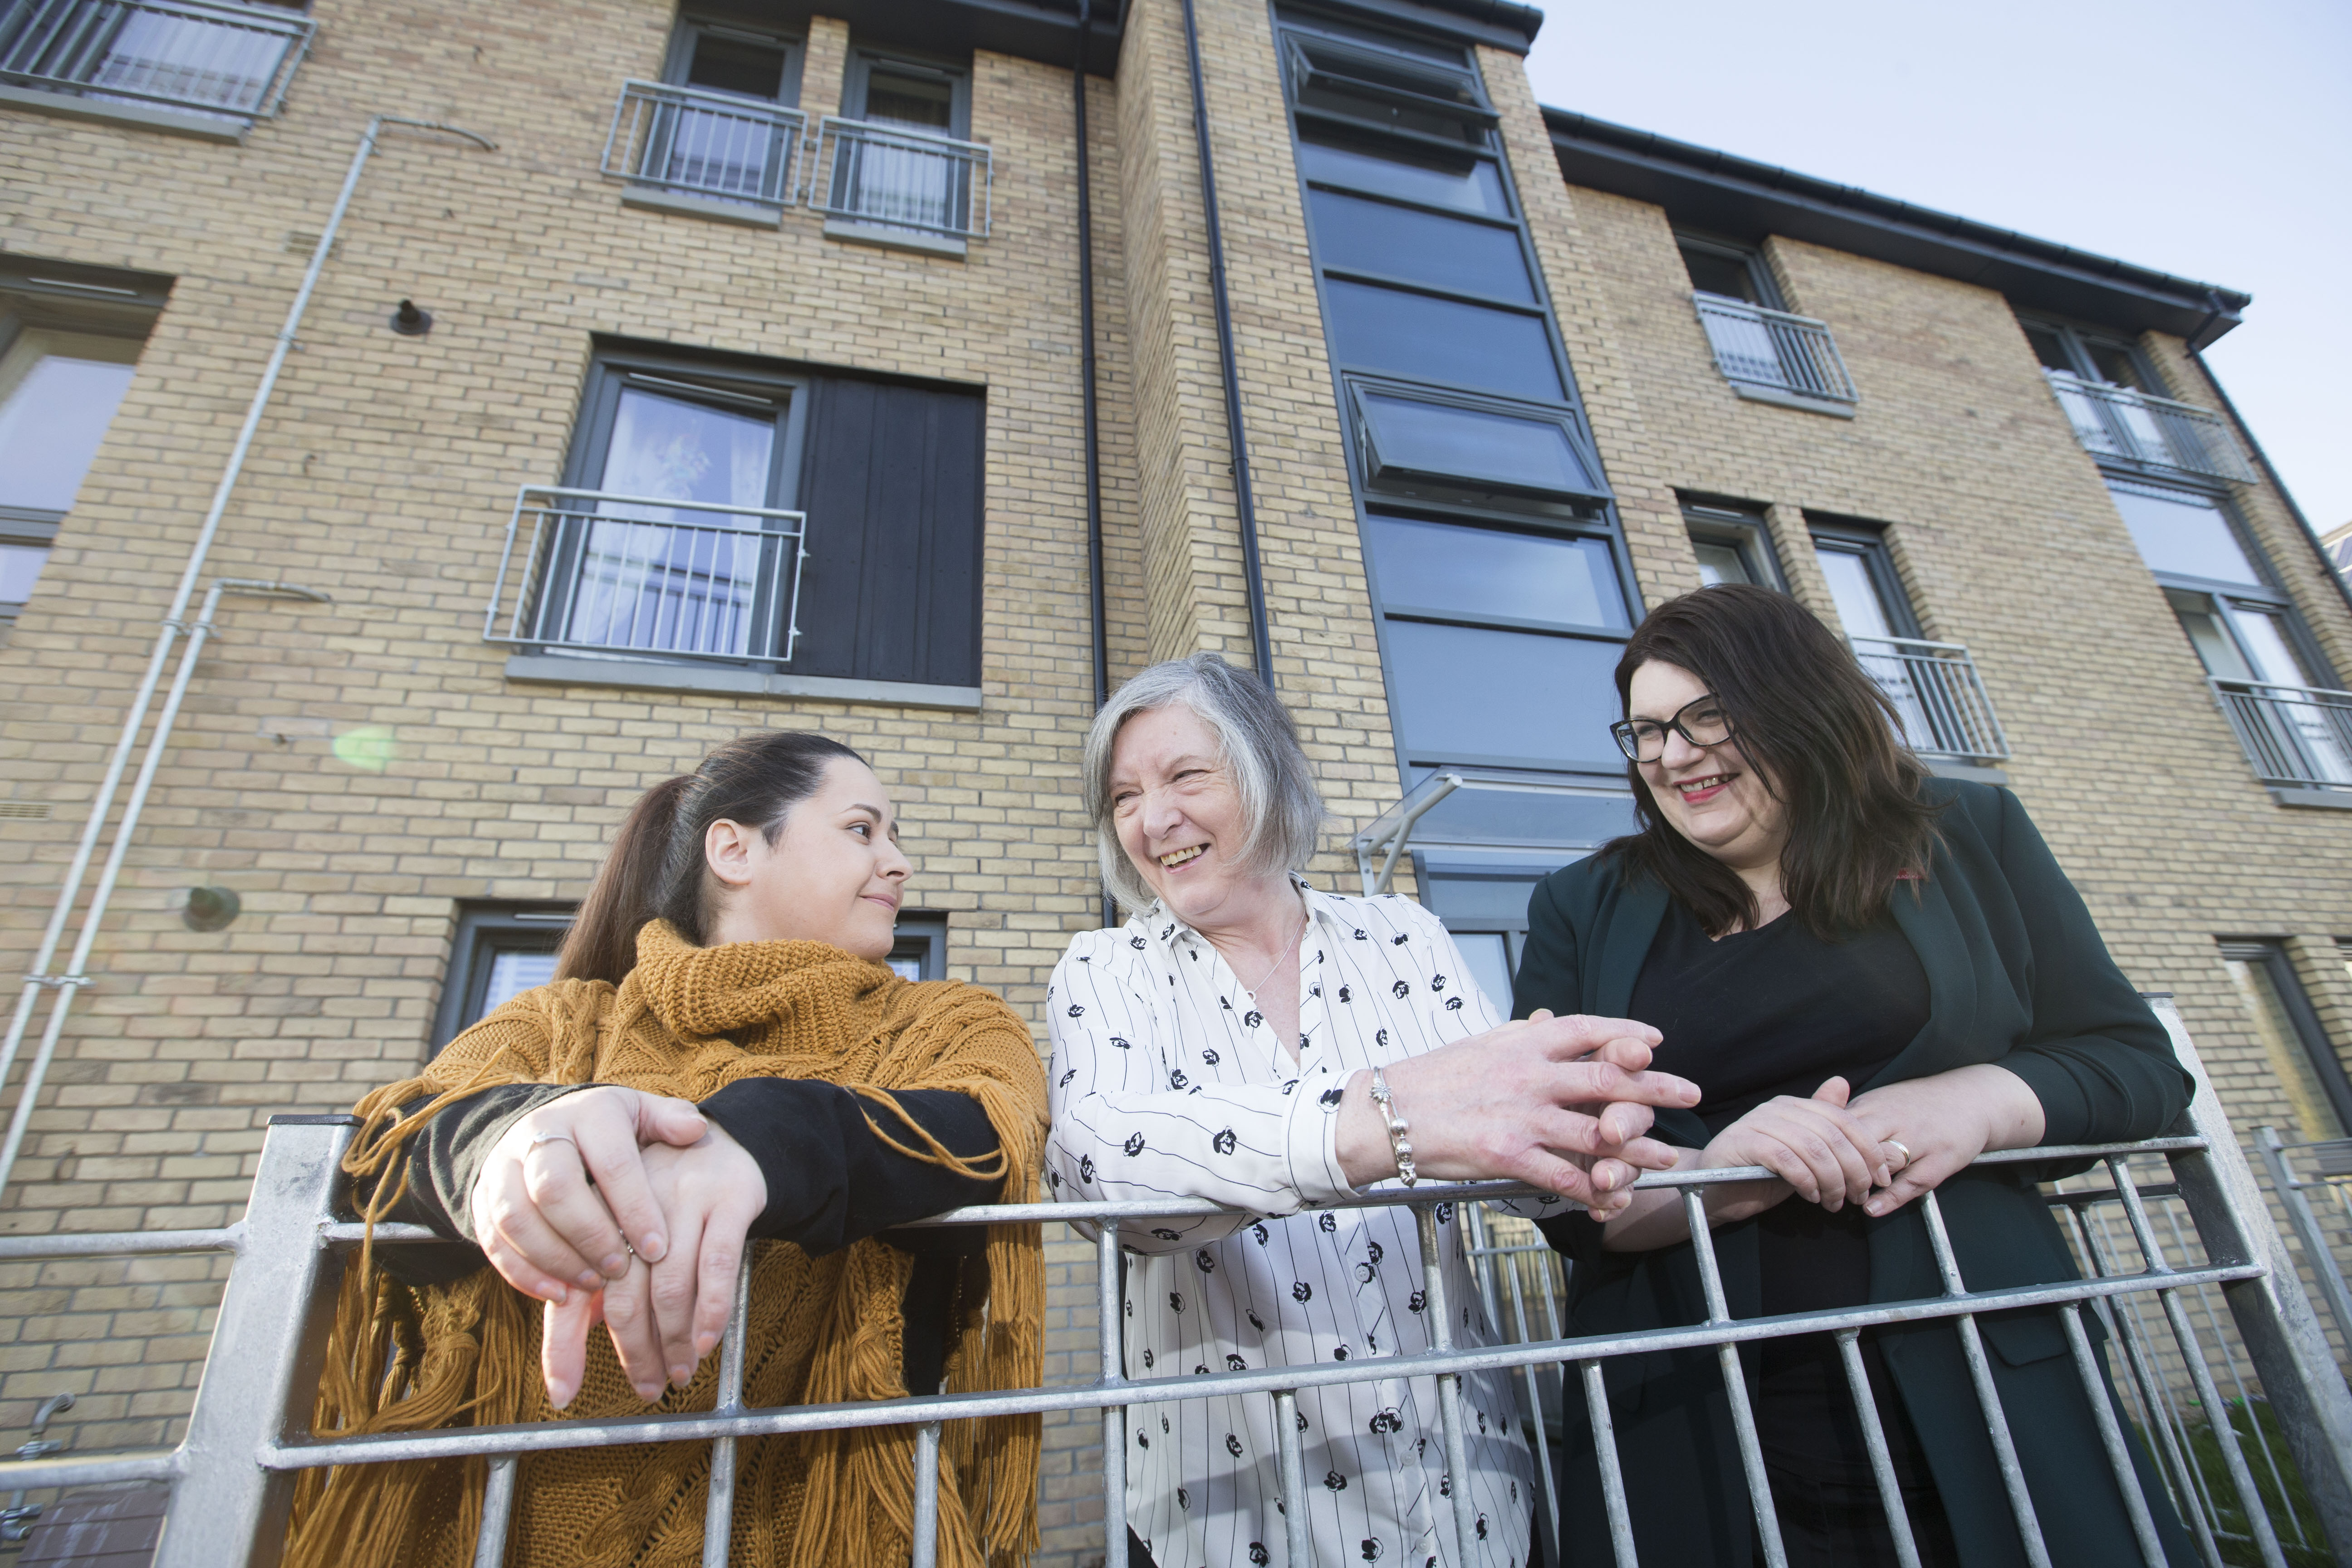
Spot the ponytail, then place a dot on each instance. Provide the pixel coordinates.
(655, 869)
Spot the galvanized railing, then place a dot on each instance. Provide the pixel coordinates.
(1936, 691)
(608, 573)
(2323, 1229)
(700, 143)
(229, 60)
(247, 1438)
(1772, 347)
(2141, 427)
(2295, 735)
(894, 178)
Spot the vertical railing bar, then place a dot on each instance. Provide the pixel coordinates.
(1735, 1385)
(2129, 1331)
(1111, 1373)
(1613, 1474)
(498, 1510)
(1874, 1441)
(719, 1510)
(1449, 1386)
(2111, 1436)
(1972, 1350)
(2316, 1253)
(1547, 1485)
(1290, 1463)
(2200, 1376)
(927, 1495)
(2238, 1379)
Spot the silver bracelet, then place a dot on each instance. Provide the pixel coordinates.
(1399, 1144)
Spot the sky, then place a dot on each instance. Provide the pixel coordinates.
(2212, 142)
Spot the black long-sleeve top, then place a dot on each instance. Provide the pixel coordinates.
(831, 1182)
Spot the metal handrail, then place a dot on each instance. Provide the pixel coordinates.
(212, 56)
(877, 174)
(2333, 1157)
(2140, 427)
(711, 144)
(1760, 347)
(1385, 836)
(2298, 736)
(1939, 695)
(248, 1437)
(705, 589)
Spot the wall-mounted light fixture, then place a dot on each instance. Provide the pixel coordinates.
(210, 908)
(411, 323)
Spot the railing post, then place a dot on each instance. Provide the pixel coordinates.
(2307, 1231)
(261, 1374)
(2274, 1319)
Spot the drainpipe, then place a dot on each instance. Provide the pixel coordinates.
(173, 626)
(1086, 380)
(1261, 646)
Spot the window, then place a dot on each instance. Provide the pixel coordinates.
(899, 160)
(693, 484)
(2119, 411)
(1762, 350)
(1732, 546)
(2273, 684)
(2309, 1072)
(70, 344)
(1490, 544)
(1940, 703)
(221, 62)
(921, 951)
(1869, 595)
(501, 951)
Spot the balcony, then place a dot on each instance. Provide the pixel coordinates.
(646, 577)
(900, 187)
(1939, 697)
(2296, 737)
(726, 156)
(187, 64)
(1774, 356)
(2149, 432)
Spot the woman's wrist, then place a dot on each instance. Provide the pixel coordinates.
(1362, 1135)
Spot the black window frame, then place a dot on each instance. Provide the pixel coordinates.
(1868, 541)
(957, 73)
(1743, 530)
(64, 296)
(2265, 597)
(1760, 272)
(1440, 83)
(691, 28)
(486, 928)
(2325, 1057)
(922, 936)
(2076, 340)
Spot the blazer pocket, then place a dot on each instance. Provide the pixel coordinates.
(2021, 1337)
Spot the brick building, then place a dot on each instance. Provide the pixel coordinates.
(758, 389)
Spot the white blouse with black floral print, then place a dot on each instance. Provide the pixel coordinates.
(1165, 1083)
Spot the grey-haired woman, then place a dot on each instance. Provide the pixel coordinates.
(1224, 1044)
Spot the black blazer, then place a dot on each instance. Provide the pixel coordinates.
(2017, 974)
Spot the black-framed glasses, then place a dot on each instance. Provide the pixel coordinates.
(1702, 721)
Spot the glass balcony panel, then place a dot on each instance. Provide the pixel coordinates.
(2184, 534)
(1461, 691)
(1421, 248)
(1468, 183)
(1479, 446)
(1417, 337)
(1486, 574)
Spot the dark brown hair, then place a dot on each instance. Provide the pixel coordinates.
(1823, 738)
(655, 869)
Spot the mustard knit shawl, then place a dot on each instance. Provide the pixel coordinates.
(685, 1022)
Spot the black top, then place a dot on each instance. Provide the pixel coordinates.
(830, 1181)
(1771, 1012)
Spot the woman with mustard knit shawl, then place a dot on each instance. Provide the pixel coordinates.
(722, 1068)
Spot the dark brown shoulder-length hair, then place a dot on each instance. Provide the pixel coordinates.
(1823, 738)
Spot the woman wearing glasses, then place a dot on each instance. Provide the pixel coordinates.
(1875, 976)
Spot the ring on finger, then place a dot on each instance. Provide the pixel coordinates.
(1899, 1147)
(539, 1138)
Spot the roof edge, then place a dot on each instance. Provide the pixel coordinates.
(1711, 188)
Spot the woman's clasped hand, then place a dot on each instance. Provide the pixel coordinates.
(624, 1208)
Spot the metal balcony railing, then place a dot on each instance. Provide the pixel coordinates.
(2323, 1229)
(228, 60)
(2297, 736)
(893, 178)
(643, 575)
(703, 143)
(1757, 347)
(2212, 1281)
(2153, 432)
(1938, 694)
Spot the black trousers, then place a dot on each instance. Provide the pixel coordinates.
(1836, 1524)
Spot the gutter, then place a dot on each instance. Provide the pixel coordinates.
(1097, 606)
(1261, 642)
